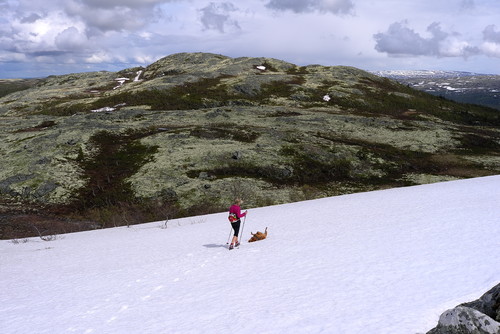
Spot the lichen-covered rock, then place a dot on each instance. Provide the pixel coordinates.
(489, 303)
(478, 317)
(465, 320)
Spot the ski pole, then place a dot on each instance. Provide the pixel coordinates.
(243, 227)
(229, 237)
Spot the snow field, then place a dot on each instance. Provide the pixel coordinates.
(379, 262)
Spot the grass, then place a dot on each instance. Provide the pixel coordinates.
(39, 127)
(11, 86)
(225, 131)
(480, 143)
(302, 166)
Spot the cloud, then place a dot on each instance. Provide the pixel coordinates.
(491, 35)
(46, 53)
(33, 17)
(78, 31)
(304, 6)
(467, 5)
(137, 4)
(71, 39)
(112, 15)
(399, 40)
(491, 44)
(216, 16)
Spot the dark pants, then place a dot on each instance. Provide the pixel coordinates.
(236, 227)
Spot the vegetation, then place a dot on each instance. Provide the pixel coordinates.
(207, 92)
(11, 86)
(401, 99)
(266, 135)
(108, 197)
(225, 131)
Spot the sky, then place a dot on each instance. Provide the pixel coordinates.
(51, 37)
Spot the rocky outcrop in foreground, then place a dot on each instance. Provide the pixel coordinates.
(478, 317)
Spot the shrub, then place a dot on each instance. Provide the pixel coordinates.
(117, 157)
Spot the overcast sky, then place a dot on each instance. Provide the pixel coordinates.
(45, 37)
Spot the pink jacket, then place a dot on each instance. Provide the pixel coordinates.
(237, 211)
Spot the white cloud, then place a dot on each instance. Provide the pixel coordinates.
(491, 44)
(36, 36)
(100, 57)
(491, 49)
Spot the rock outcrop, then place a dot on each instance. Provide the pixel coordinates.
(478, 317)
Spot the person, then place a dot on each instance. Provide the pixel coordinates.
(236, 210)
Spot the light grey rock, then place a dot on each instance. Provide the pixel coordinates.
(465, 320)
(203, 176)
(5, 184)
(477, 317)
(45, 189)
(489, 303)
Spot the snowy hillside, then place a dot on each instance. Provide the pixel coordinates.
(463, 87)
(401, 74)
(380, 262)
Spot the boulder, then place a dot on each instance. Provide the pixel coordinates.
(465, 320)
(489, 303)
(477, 317)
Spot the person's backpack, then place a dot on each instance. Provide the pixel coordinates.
(232, 217)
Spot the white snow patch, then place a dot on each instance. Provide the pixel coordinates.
(379, 262)
(261, 67)
(108, 109)
(138, 76)
(120, 81)
(104, 109)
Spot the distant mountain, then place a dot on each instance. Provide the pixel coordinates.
(464, 87)
(408, 74)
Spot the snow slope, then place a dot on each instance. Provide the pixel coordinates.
(379, 262)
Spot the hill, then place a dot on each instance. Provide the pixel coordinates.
(188, 133)
(384, 262)
(464, 87)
